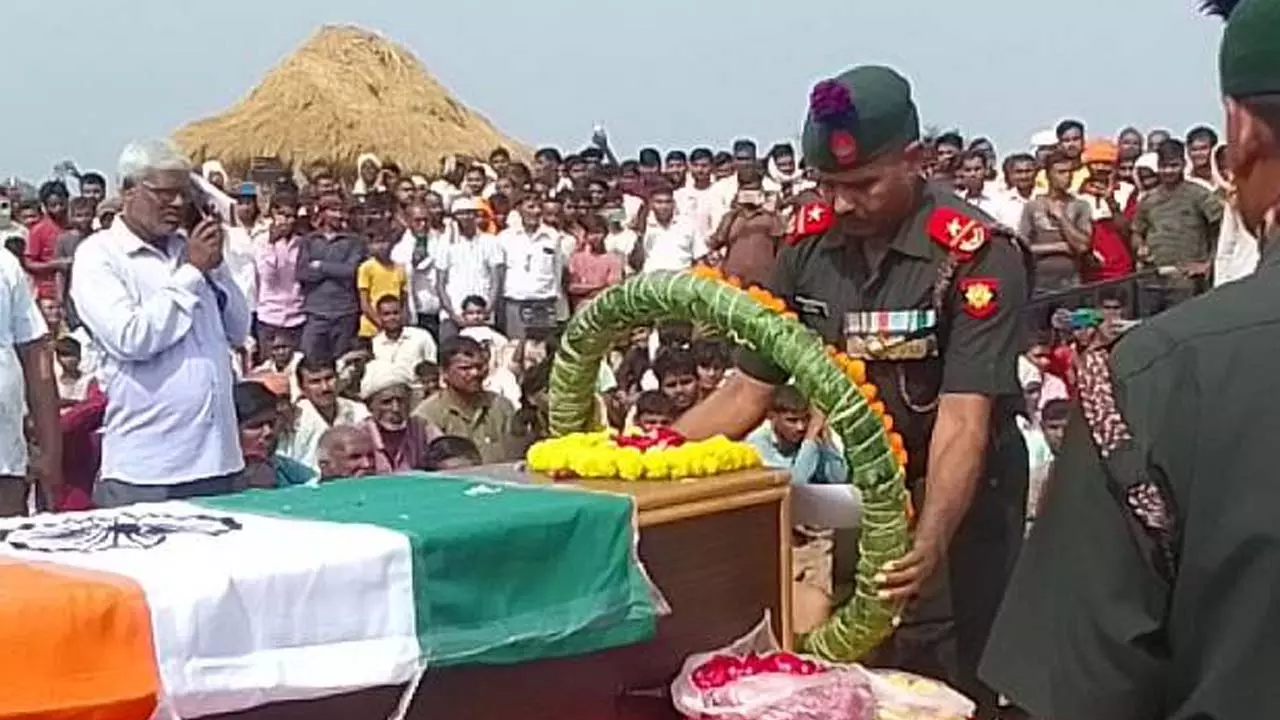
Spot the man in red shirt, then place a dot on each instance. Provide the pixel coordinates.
(1113, 204)
(42, 240)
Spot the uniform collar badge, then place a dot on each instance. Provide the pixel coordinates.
(957, 232)
(808, 220)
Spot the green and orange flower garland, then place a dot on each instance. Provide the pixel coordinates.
(835, 383)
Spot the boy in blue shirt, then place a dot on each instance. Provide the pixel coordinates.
(791, 438)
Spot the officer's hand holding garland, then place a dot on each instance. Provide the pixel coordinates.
(955, 462)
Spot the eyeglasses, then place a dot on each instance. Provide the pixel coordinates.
(168, 194)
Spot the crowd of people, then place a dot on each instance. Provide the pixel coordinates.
(213, 332)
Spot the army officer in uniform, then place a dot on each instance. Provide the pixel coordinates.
(921, 286)
(1150, 586)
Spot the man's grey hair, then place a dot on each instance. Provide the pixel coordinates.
(143, 156)
(336, 437)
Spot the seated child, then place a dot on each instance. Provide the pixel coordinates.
(654, 409)
(73, 383)
(677, 372)
(51, 311)
(1053, 421)
(428, 375)
(713, 362)
(450, 452)
(792, 439)
(282, 358)
(1049, 434)
(475, 325)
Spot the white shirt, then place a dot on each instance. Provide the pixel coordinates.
(20, 323)
(423, 299)
(1015, 204)
(290, 370)
(698, 207)
(166, 367)
(723, 192)
(496, 341)
(238, 255)
(308, 426)
(446, 190)
(999, 206)
(90, 354)
(412, 347)
(69, 389)
(673, 247)
(503, 382)
(1100, 210)
(631, 206)
(470, 267)
(1236, 255)
(621, 243)
(1040, 458)
(534, 262)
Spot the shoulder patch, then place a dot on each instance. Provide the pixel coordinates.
(958, 232)
(981, 297)
(808, 220)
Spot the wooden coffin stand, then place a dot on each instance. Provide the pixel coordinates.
(719, 548)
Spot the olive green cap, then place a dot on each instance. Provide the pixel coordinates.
(854, 117)
(1249, 58)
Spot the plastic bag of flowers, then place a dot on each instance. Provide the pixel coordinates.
(752, 679)
(903, 696)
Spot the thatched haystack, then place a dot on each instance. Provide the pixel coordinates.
(346, 91)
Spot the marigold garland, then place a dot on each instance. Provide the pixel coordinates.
(606, 455)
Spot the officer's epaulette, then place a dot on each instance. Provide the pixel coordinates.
(809, 220)
(961, 234)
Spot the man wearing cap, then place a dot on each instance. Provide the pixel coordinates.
(1043, 144)
(1148, 587)
(473, 264)
(928, 292)
(327, 262)
(240, 239)
(399, 439)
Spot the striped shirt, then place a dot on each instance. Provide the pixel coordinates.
(470, 267)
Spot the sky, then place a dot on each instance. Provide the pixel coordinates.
(85, 77)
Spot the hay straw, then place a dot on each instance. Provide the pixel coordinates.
(346, 91)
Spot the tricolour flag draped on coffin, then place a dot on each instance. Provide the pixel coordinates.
(196, 608)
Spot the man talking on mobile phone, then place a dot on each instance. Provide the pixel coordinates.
(165, 312)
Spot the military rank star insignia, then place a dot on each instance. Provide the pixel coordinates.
(957, 232)
(810, 219)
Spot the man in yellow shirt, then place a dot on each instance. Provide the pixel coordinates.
(378, 277)
(1071, 141)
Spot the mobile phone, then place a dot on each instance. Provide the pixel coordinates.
(199, 207)
(1082, 318)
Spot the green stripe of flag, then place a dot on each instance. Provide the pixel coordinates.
(501, 573)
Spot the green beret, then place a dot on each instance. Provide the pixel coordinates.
(1249, 59)
(857, 116)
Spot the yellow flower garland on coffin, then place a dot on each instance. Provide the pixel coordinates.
(593, 455)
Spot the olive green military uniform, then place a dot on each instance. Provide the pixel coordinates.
(1150, 584)
(1179, 225)
(930, 319)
